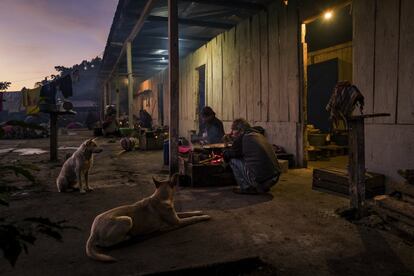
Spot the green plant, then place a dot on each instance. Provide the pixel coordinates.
(17, 236)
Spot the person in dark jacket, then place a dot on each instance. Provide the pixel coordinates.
(212, 131)
(145, 119)
(252, 159)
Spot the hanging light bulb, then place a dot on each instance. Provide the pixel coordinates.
(328, 15)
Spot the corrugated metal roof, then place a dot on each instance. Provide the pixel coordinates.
(199, 22)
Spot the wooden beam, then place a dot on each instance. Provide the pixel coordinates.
(130, 84)
(173, 83)
(181, 38)
(193, 22)
(153, 56)
(235, 4)
(135, 30)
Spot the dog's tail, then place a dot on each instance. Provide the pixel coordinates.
(90, 251)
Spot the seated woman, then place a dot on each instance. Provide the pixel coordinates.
(212, 130)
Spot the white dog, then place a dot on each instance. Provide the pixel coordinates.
(152, 214)
(76, 166)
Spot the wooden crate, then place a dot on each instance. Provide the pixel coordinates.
(335, 180)
(151, 140)
(287, 156)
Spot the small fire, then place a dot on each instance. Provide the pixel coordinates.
(217, 159)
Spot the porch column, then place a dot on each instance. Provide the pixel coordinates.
(109, 89)
(173, 79)
(105, 103)
(130, 83)
(117, 96)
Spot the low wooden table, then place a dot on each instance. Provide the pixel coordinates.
(336, 180)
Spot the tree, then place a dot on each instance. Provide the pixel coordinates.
(4, 85)
(75, 69)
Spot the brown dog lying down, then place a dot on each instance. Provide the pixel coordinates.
(76, 166)
(152, 214)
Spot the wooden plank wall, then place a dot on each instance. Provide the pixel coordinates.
(251, 72)
(383, 69)
(342, 52)
(383, 64)
(152, 84)
(405, 97)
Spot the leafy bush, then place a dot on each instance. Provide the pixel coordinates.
(16, 236)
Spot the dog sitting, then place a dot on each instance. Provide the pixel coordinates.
(152, 214)
(76, 167)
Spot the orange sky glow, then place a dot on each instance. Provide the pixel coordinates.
(37, 35)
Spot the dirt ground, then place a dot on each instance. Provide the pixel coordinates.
(294, 229)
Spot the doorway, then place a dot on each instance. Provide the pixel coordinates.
(327, 60)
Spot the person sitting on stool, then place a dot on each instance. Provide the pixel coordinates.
(212, 130)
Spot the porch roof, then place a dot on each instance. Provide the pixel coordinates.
(199, 22)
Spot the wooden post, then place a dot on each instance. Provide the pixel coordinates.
(356, 166)
(53, 137)
(117, 96)
(109, 89)
(105, 96)
(302, 139)
(130, 83)
(173, 71)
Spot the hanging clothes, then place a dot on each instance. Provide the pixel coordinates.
(31, 99)
(65, 85)
(12, 101)
(343, 101)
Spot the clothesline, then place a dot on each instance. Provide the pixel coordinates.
(31, 99)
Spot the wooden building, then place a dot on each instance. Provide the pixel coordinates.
(249, 59)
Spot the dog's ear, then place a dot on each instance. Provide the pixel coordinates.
(174, 180)
(156, 182)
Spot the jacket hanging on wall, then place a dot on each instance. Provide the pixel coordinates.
(343, 101)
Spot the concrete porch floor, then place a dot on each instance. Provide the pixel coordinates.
(294, 229)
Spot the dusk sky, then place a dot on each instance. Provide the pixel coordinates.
(36, 35)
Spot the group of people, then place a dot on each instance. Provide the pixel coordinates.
(111, 125)
(251, 157)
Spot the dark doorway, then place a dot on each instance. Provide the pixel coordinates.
(201, 92)
(322, 78)
(161, 104)
(327, 60)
